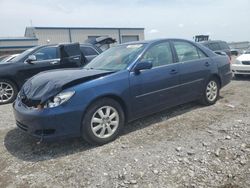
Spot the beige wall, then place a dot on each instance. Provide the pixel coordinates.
(140, 33)
(62, 35)
(80, 35)
(53, 35)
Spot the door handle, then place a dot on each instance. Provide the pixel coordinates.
(207, 64)
(173, 71)
(54, 62)
(76, 58)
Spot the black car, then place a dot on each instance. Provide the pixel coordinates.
(13, 74)
(218, 46)
(3, 57)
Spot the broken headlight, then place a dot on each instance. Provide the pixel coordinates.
(59, 99)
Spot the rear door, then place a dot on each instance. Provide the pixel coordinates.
(195, 68)
(156, 88)
(71, 56)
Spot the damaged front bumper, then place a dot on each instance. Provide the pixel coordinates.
(48, 124)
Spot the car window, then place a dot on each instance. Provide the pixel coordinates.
(159, 55)
(206, 44)
(87, 51)
(69, 50)
(224, 45)
(187, 52)
(46, 53)
(214, 46)
(201, 54)
(25, 54)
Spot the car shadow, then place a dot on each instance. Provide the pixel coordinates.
(242, 78)
(26, 148)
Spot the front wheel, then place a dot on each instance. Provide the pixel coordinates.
(8, 91)
(103, 121)
(211, 92)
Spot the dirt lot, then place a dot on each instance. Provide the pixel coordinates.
(187, 146)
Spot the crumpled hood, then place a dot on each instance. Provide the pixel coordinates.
(45, 85)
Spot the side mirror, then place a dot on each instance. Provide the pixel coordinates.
(31, 59)
(143, 65)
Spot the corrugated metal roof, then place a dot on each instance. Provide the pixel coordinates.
(109, 28)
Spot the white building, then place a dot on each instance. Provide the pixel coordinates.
(51, 35)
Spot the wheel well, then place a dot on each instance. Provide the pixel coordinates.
(217, 77)
(117, 99)
(11, 80)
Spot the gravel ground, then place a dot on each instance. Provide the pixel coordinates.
(187, 146)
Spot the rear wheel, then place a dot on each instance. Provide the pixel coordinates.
(103, 121)
(211, 92)
(8, 91)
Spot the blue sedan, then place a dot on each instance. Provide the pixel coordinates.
(122, 84)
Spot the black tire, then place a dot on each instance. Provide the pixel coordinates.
(86, 130)
(14, 88)
(205, 99)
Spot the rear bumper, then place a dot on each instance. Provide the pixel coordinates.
(56, 123)
(240, 69)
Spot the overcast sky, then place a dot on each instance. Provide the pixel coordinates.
(222, 19)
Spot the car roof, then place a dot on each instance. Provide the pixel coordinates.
(56, 45)
(155, 41)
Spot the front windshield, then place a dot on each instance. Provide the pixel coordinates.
(22, 55)
(116, 58)
(5, 59)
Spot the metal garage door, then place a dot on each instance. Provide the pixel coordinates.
(129, 38)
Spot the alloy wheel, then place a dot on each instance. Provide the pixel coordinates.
(105, 122)
(6, 92)
(212, 91)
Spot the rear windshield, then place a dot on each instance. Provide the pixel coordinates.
(214, 46)
(224, 45)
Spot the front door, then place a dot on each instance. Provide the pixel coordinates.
(46, 59)
(156, 88)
